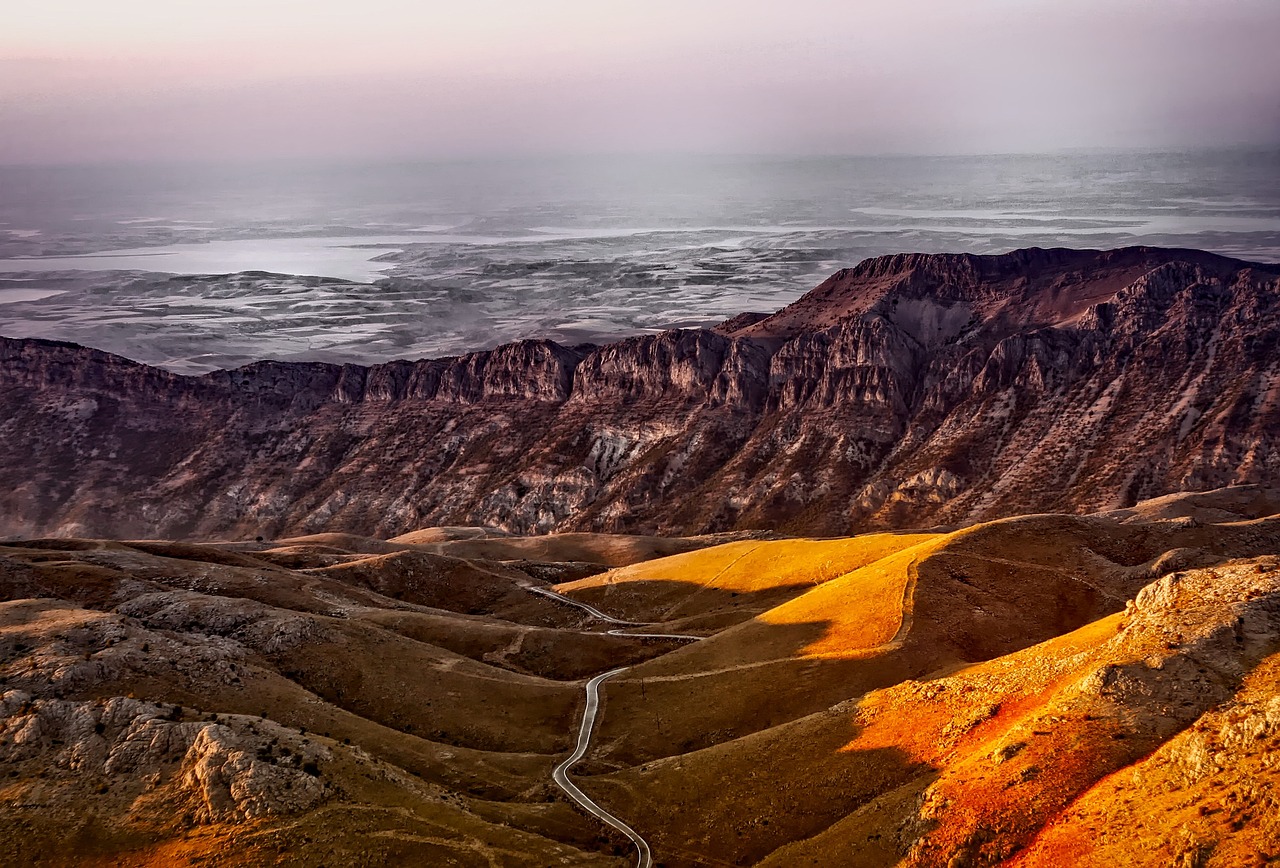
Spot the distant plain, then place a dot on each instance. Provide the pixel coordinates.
(438, 259)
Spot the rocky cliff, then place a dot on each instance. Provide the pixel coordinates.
(908, 390)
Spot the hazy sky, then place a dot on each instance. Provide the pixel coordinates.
(179, 79)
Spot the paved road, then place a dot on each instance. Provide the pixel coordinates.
(644, 858)
(683, 636)
(593, 611)
(586, 607)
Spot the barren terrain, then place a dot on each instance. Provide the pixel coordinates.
(1038, 691)
(908, 391)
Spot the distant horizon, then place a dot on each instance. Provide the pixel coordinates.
(145, 80)
(516, 158)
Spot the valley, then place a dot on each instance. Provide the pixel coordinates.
(1001, 693)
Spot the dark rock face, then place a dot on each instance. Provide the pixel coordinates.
(909, 390)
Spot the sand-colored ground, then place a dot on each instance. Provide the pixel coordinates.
(1043, 691)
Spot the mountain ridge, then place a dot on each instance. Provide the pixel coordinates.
(921, 389)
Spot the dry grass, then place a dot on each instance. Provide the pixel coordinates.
(609, 550)
(979, 697)
(700, 583)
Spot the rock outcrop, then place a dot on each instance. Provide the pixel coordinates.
(226, 775)
(909, 390)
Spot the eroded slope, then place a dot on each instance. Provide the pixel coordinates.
(1040, 691)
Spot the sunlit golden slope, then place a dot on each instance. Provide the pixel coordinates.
(955, 599)
(740, 577)
(1043, 691)
(1043, 757)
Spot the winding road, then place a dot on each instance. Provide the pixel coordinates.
(683, 636)
(644, 858)
(593, 611)
(586, 607)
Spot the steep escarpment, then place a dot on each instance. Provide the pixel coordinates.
(909, 390)
(1023, 288)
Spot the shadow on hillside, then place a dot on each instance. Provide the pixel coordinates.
(741, 799)
(758, 674)
(384, 684)
(689, 696)
(990, 591)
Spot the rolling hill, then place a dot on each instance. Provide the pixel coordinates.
(1040, 690)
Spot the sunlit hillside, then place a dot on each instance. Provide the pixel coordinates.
(1018, 692)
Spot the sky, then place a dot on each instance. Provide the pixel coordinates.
(147, 80)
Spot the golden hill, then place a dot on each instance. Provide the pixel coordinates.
(950, 600)
(1039, 691)
(733, 581)
(610, 550)
(1024, 758)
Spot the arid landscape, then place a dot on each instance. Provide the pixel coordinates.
(643, 434)
(1041, 690)
(955, 561)
(907, 391)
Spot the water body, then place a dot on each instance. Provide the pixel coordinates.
(14, 291)
(445, 258)
(346, 258)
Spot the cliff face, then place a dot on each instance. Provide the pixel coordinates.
(909, 390)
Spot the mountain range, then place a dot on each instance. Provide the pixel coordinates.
(908, 391)
(957, 561)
